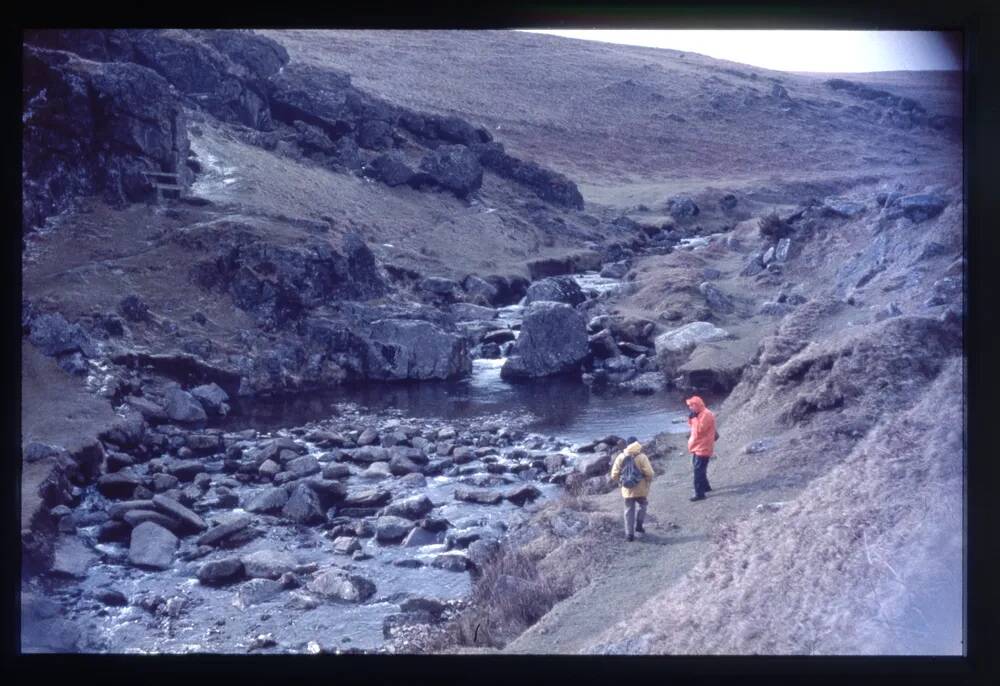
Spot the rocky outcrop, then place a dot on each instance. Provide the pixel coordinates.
(546, 184)
(93, 129)
(453, 167)
(402, 349)
(553, 340)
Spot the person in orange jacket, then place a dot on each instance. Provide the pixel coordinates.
(701, 443)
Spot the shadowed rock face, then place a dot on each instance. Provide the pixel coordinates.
(93, 129)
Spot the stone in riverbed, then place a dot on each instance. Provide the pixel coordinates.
(267, 564)
(269, 501)
(220, 571)
(553, 340)
(478, 495)
(390, 529)
(183, 407)
(519, 495)
(256, 591)
(413, 507)
(336, 470)
(136, 517)
(346, 545)
(452, 562)
(303, 506)
(171, 507)
(307, 465)
(72, 557)
(152, 545)
(366, 497)
(340, 585)
(217, 534)
(420, 536)
(118, 485)
(594, 465)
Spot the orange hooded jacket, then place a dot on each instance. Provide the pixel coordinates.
(702, 440)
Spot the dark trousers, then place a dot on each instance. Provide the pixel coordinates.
(701, 484)
(631, 517)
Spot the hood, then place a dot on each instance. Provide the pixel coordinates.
(633, 448)
(695, 403)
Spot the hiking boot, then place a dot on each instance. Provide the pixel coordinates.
(638, 527)
(630, 538)
(697, 497)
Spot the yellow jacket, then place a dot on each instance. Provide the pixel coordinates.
(641, 490)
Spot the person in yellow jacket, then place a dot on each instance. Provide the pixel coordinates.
(637, 495)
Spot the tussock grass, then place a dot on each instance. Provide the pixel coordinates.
(535, 568)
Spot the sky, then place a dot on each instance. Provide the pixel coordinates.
(791, 50)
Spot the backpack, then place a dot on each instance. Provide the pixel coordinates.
(630, 475)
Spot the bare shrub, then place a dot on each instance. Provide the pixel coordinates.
(773, 226)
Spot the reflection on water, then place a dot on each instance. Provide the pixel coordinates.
(561, 406)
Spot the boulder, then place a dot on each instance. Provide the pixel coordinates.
(366, 497)
(181, 406)
(307, 465)
(454, 167)
(346, 545)
(400, 349)
(594, 465)
(553, 340)
(118, 484)
(715, 366)
(602, 344)
(519, 495)
(917, 208)
(256, 591)
(419, 536)
(213, 398)
(441, 289)
(615, 270)
(391, 168)
(478, 495)
(267, 564)
(303, 506)
(479, 290)
(467, 312)
(682, 207)
(136, 517)
(452, 562)
(72, 557)
(153, 546)
(837, 207)
(340, 585)
(218, 534)
(675, 346)
(563, 289)
(270, 501)
(716, 299)
(220, 571)
(414, 507)
(390, 529)
(53, 336)
(171, 507)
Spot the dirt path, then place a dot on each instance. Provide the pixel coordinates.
(655, 560)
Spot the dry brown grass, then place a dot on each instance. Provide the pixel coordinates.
(536, 567)
(866, 561)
